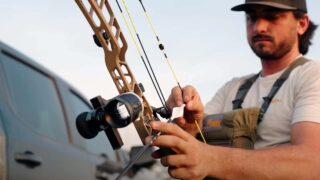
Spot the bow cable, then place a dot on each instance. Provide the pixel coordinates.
(151, 75)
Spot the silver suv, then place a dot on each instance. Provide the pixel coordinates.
(38, 137)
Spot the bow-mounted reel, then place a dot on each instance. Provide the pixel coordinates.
(108, 115)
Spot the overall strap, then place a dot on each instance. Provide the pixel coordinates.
(276, 86)
(244, 88)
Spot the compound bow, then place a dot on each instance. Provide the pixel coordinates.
(108, 35)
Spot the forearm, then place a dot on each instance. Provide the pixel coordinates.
(286, 162)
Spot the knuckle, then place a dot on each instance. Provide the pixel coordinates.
(175, 90)
(194, 173)
(188, 87)
(171, 172)
(169, 160)
(167, 128)
(178, 144)
(174, 128)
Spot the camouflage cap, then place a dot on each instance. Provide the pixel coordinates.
(281, 4)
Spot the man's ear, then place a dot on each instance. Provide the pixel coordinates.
(303, 24)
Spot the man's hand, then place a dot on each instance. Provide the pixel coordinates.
(191, 156)
(194, 110)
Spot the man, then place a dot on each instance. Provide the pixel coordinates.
(288, 144)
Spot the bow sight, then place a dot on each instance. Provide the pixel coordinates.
(108, 115)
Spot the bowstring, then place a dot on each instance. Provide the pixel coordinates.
(146, 63)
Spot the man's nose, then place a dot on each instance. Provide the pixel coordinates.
(261, 25)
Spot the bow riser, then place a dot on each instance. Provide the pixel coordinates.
(115, 46)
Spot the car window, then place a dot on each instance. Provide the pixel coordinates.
(35, 99)
(99, 145)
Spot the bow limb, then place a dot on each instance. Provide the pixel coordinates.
(108, 32)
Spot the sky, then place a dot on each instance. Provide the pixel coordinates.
(204, 40)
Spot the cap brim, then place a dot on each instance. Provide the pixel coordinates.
(243, 7)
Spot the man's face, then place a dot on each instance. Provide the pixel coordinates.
(271, 32)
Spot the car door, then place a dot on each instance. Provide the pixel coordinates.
(99, 150)
(37, 133)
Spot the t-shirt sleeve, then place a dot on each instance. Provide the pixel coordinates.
(307, 94)
(215, 105)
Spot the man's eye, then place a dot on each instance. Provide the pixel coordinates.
(251, 18)
(271, 17)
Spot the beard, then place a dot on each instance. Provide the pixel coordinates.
(270, 50)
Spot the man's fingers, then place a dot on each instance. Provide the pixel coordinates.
(162, 152)
(175, 143)
(180, 121)
(177, 160)
(180, 96)
(175, 98)
(188, 93)
(182, 173)
(192, 99)
(164, 161)
(169, 128)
